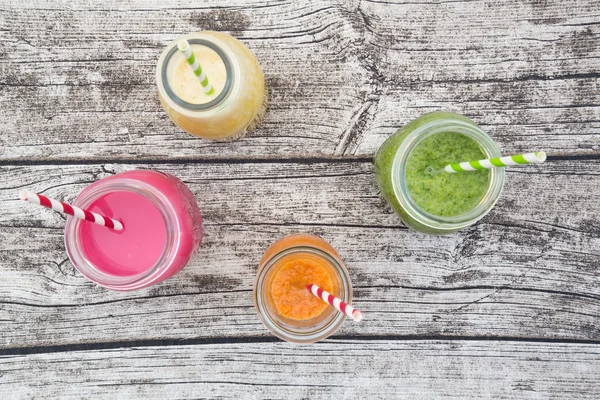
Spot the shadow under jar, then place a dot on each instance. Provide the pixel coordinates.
(409, 170)
(281, 318)
(239, 100)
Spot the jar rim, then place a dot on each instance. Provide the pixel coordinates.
(78, 256)
(163, 81)
(441, 125)
(319, 332)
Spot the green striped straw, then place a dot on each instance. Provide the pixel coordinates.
(184, 47)
(519, 159)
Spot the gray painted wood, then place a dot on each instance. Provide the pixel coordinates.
(77, 80)
(332, 369)
(508, 308)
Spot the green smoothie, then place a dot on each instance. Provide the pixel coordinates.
(436, 191)
(409, 170)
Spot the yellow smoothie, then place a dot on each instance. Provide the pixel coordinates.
(186, 85)
(239, 100)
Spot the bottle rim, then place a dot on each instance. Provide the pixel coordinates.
(307, 334)
(78, 256)
(171, 50)
(439, 223)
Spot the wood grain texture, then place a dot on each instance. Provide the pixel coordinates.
(94, 90)
(524, 271)
(524, 70)
(508, 308)
(77, 80)
(341, 369)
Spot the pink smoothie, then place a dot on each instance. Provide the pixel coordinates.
(162, 229)
(137, 247)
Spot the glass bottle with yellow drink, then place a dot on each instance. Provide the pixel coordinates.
(238, 99)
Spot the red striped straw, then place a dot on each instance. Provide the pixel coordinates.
(335, 302)
(65, 208)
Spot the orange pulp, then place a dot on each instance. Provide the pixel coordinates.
(290, 293)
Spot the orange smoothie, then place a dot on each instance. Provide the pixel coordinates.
(281, 297)
(289, 291)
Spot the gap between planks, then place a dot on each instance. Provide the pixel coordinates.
(12, 351)
(243, 160)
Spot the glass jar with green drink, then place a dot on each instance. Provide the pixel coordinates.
(410, 172)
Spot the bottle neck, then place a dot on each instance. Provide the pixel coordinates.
(168, 89)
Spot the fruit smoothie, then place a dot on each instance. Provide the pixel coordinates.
(239, 100)
(282, 299)
(185, 83)
(289, 295)
(162, 228)
(123, 253)
(409, 168)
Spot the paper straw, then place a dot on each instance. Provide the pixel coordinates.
(519, 159)
(335, 302)
(68, 209)
(185, 48)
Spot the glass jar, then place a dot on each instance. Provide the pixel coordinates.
(294, 247)
(234, 111)
(174, 205)
(390, 166)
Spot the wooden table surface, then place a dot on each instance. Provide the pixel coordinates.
(508, 308)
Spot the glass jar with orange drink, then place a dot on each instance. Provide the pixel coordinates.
(238, 100)
(283, 302)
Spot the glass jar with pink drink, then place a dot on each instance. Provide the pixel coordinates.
(162, 229)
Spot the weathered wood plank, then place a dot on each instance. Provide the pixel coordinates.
(76, 83)
(524, 271)
(343, 74)
(332, 369)
(525, 70)
(93, 90)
